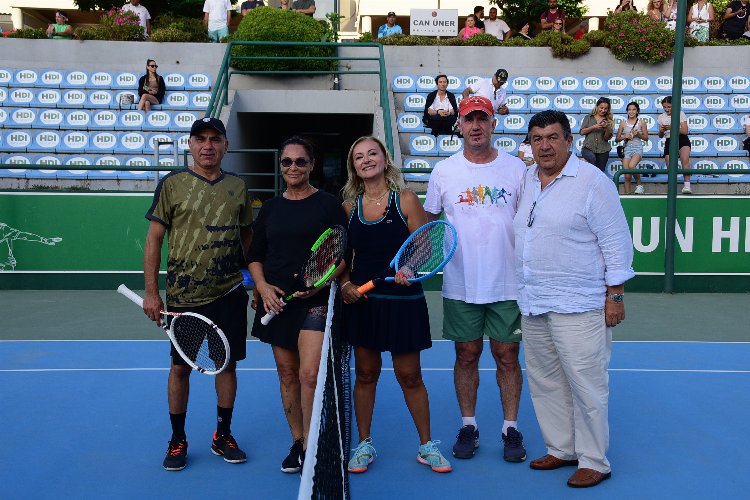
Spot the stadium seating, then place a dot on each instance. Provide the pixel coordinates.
(715, 106)
(58, 117)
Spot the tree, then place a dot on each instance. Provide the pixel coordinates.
(186, 8)
(518, 12)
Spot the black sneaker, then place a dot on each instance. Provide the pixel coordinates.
(293, 462)
(513, 450)
(176, 458)
(225, 446)
(467, 442)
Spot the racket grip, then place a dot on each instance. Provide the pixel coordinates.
(130, 294)
(267, 318)
(366, 287)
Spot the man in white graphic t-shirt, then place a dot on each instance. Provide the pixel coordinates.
(478, 189)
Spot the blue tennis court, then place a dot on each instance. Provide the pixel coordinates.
(84, 412)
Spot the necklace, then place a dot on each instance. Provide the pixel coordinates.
(376, 200)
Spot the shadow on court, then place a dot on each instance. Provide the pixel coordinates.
(88, 419)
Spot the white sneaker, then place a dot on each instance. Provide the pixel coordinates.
(686, 190)
(638, 189)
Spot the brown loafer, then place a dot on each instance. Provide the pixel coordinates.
(550, 462)
(585, 478)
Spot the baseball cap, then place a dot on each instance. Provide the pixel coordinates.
(475, 103)
(391, 13)
(213, 123)
(501, 74)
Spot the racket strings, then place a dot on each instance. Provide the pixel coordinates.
(199, 341)
(426, 251)
(329, 253)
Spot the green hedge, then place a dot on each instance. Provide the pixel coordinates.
(33, 33)
(269, 24)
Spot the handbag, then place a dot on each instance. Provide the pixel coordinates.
(746, 145)
(621, 150)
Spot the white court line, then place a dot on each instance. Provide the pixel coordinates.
(643, 370)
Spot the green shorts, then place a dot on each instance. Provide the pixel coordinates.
(464, 322)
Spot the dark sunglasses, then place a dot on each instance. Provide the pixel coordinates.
(299, 162)
(153, 65)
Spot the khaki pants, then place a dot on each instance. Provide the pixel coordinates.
(567, 356)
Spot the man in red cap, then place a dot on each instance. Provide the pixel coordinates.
(478, 188)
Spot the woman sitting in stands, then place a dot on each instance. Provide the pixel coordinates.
(657, 10)
(525, 152)
(470, 28)
(625, 5)
(441, 108)
(558, 26)
(634, 132)
(597, 128)
(151, 87)
(61, 30)
(699, 16)
(523, 32)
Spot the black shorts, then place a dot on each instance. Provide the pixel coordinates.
(230, 314)
(684, 141)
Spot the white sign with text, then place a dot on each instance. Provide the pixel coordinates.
(434, 22)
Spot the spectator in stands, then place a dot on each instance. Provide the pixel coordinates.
(250, 5)
(699, 16)
(657, 10)
(304, 6)
(217, 14)
(142, 12)
(470, 27)
(551, 15)
(597, 128)
(558, 26)
(746, 126)
(634, 132)
(625, 5)
(492, 89)
(479, 15)
(525, 152)
(665, 124)
(390, 27)
(523, 32)
(671, 16)
(583, 28)
(151, 87)
(736, 20)
(441, 108)
(284, 5)
(60, 30)
(496, 27)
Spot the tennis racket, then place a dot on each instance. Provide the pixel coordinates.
(423, 254)
(196, 338)
(325, 256)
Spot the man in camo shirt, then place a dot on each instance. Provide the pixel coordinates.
(206, 215)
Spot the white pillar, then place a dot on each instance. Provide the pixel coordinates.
(16, 16)
(593, 23)
(366, 25)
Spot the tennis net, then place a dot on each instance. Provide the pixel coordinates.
(325, 475)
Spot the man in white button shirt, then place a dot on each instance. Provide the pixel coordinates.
(495, 26)
(142, 12)
(573, 255)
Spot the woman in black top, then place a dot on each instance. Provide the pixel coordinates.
(440, 108)
(286, 228)
(151, 87)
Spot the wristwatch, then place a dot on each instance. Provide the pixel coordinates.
(616, 297)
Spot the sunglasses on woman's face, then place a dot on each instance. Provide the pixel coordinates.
(153, 66)
(299, 162)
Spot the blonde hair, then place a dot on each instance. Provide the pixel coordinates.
(665, 5)
(610, 117)
(355, 186)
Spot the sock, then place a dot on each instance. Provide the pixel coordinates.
(509, 423)
(470, 421)
(178, 425)
(223, 420)
(687, 184)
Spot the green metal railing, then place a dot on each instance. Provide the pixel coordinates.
(220, 93)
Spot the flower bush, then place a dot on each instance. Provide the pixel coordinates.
(115, 24)
(634, 35)
(34, 33)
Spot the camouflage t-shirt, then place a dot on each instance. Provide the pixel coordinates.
(203, 220)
